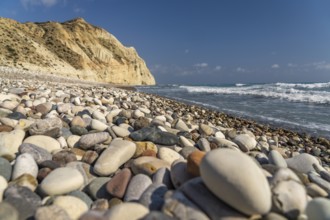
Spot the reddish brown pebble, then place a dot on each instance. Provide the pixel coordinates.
(5, 128)
(118, 184)
(193, 162)
(90, 157)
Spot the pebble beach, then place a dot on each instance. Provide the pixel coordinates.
(78, 150)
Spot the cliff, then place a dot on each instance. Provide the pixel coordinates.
(74, 49)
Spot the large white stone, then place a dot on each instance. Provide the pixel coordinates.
(303, 163)
(318, 209)
(119, 152)
(237, 180)
(168, 155)
(10, 141)
(245, 142)
(119, 131)
(74, 206)
(62, 180)
(48, 143)
(127, 211)
(25, 163)
(98, 125)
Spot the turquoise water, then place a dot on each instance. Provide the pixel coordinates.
(303, 107)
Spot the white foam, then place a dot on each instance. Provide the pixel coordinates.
(304, 85)
(240, 84)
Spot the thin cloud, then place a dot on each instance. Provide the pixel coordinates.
(45, 3)
(322, 65)
(186, 51)
(292, 65)
(201, 65)
(240, 70)
(218, 68)
(78, 10)
(275, 66)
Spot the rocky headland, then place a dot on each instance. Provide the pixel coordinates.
(72, 49)
(75, 150)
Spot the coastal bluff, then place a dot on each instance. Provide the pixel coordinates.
(73, 49)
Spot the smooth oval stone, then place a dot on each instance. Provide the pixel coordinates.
(23, 199)
(44, 108)
(53, 212)
(157, 215)
(163, 176)
(180, 125)
(315, 178)
(3, 186)
(184, 142)
(140, 123)
(198, 193)
(203, 144)
(193, 162)
(64, 108)
(25, 164)
(62, 180)
(98, 115)
(92, 215)
(5, 168)
(303, 163)
(314, 190)
(153, 196)
(97, 188)
(237, 180)
(120, 132)
(72, 205)
(118, 184)
(64, 156)
(245, 142)
(205, 130)
(136, 211)
(179, 173)
(85, 170)
(318, 209)
(143, 146)
(224, 143)
(142, 134)
(10, 141)
(73, 140)
(87, 141)
(168, 155)
(48, 143)
(90, 157)
(83, 196)
(148, 165)
(48, 127)
(163, 138)
(39, 154)
(16, 116)
(138, 184)
(118, 153)
(98, 125)
(78, 121)
(77, 130)
(274, 157)
(8, 212)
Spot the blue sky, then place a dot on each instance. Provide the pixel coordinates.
(209, 41)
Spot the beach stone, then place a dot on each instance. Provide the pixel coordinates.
(6, 128)
(98, 115)
(90, 157)
(148, 165)
(77, 130)
(48, 127)
(315, 178)
(5, 168)
(26, 180)
(53, 212)
(48, 143)
(241, 185)
(8, 212)
(96, 189)
(9, 122)
(186, 151)
(313, 190)
(205, 130)
(83, 196)
(137, 211)
(77, 121)
(64, 156)
(163, 138)
(136, 187)
(85, 170)
(100, 205)
(39, 154)
(163, 176)
(118, 153)
(137, 114)
(23, 200)
(157, 215)
(92, 215)
(44, 108)
(118, 184)
(168, 155)
(224, 143)
(318, 209)
(141, 122)
(62, 180)
(153, 197)
(193, 162)
(114, 201)
(274, 216)
(25, 164)
(120, 132)
(142, 134)
(245, 142)
(179, 174)
(10, 141)
(184, 142)
(87, 141)
(74, 206)
(73, 140)
(198, 193)
(178, 206)
(16, 116)
(277, 159)
(64, 108)
(3, 186)
(303, 163)
(42, 173)
(143, 146)
(204, 144)
(98, 125)
(180, 125)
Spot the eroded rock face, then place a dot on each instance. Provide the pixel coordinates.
(74, 49)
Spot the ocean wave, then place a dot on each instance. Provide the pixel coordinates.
(240, 84)
(304, 85)
(290, 94)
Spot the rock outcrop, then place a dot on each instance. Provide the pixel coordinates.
(74, 49)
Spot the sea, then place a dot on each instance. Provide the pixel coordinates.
(301, 107)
